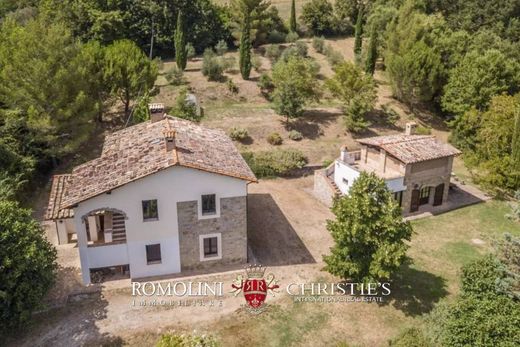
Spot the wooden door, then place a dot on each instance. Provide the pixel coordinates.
(414, 204)
(439, 192)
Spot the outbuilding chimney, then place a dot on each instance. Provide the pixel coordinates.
(410, 128)
(156, 112)
(345, 156)
(169, 137)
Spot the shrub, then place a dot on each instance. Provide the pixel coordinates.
(228, 63)
(182, 340)
(221, 47)
(319, 44)
(276, 36)
(238, 134)
(175, 76)
(265, 83)
(256, 62)
(333, 57)
(232, 87)
(295, 135)
(212, 66)
(184, 108)
(274, 139)
(391, 115)
(190, 51)
(327, 162)
(412, 337)
(274, 163)
(480, 278)
(302, 49)
(292, 37)
(273, 52)
(420, 130)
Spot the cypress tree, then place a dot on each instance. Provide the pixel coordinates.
(245, 48)
(181, 56)
(370, 64)
(292, 22)
(515, 149)
(359, 31)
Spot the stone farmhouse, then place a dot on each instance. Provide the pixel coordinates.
(416, 168)
(164, 196)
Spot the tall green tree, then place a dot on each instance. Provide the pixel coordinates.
(357, 92)
(487, 139)
(477, 78)
(370, 63)
(128, 71)
(245, 49)
(27, 265)
(318, 16)
(292, 21)
(181, 56)
(43, 77)
(515, 148)
(295, 86)
(358, 43)
(369, 233)
(414, 64)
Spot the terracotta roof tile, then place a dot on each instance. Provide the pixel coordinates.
(58, 191)
(140, 150)
(412, 148)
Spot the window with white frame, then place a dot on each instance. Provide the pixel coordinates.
(150, 210)
(210, 247)
(209, 204)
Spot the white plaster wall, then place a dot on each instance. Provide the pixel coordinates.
(342, 170)
(112, 255)
(169, 186)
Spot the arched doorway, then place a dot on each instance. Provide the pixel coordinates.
(105, 226)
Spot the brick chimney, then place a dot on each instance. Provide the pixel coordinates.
(169, 137)
(410, 128)
(156, 112)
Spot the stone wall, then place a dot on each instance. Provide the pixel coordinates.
(323, 189)
(232, 225)
(427, 175)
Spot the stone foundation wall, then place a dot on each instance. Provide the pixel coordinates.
(232, 225)
(322, 188)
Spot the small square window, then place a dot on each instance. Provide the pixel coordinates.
(153, 254)
(210, 247)
(209, 204)
(345, 181)
(150, 211)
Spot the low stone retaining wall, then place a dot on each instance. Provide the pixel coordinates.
(323, 190)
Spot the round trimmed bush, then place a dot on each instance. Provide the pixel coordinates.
(274, 139)
(295, 135)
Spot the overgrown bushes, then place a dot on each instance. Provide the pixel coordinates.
(187, 340)
(274, 163)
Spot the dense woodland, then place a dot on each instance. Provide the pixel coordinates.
(64, 64)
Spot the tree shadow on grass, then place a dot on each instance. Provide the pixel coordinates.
(415, 292)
